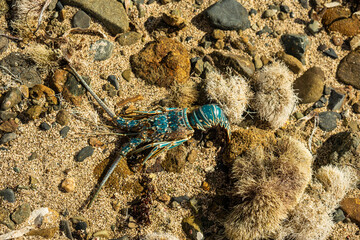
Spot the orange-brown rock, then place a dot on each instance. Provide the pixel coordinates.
(339, 19)
(9, 126)
(162, 62)
(39, 90)
(58, 80)
(332, 14)
(352, 208)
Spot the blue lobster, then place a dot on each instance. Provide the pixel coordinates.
(160, 130)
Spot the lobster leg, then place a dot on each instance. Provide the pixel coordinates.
(134, 142)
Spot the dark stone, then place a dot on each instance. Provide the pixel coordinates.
(331, 53)
(327, 90)
(327, 120)
(175, 160)
(265, 29)
(45, 126)
(102, 49)
(22, 66)
(304, 3)
(228, 15)
(188, 38)
(322, 47)
(113, 81)
(110, 13)
(356, 108)
(4, 115)
(84, 153)
(348, 71)
(81, 20)
(338, 215)
(252, 12)
(8, 195)
(7, 137)
(284, 8)
(320, 103)
(295, 44)
(310, 85)
(336, 100)
(81, 226)
(59, 6)
(64, 131)
(181, 199)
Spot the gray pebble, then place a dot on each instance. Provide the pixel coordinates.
(64, 131)
(81, 20)
(84, 153)
(113, 81)
(11, 98)
(284, 8)
(314, 27)
(45, 126)
(8, 195)
(331, 53)
(295, 44)
(327, 120)
(16, 169)
(336, 100)
(103, 49)
(181, 199)
(269, 13)
(5, 115)
(7, 137)
(338, 216)
(21, 214)
(327, 90)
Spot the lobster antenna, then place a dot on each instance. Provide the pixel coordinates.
(87, 87)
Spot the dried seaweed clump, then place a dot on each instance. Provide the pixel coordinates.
(232, 93)
(44, 56)
(274, 95)
(312, 217)
(269, 182)
(184, 95)
(25, 14)
(159, 236)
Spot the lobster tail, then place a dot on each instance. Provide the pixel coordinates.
(208, 116)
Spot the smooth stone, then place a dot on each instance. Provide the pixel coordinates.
(295, 44)
(102, 49)
(327, 120)
(337, 41)
(348, 71)
(128, 38)
(228, 15)
(22, 66)
(310, 85)
(113, 81)
(21, 214)
(68, 184)
(291, 62)
(336, 100)
(64, 131)
(314, 27)
(110, 13)
(11, 98)
(5, 115)
(73, 90)
(8, 195)
(81, 20)
(269, 13)
(5, 218)
(331, 53)
(63, 117)
(322, 47)
(45, 126)
(126, 74)
(7, 137)
(240, 64)
(84, 153)
(352, 208)
(338, 215)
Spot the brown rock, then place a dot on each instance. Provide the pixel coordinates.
(128, 38)
(332, 14)
(5, 218)
(39, 90)
(337, 41)
(95, 142)
(58, 80)
(68, 184)
(348, 27)
(218, 34)
(63, 117)
(9, 126)
(192, 156)
(45, 233)
(219, 44)
(174, 19)
(352, 207)
(240, 64)
(291, 62)
(164, 198)
(175, 160)
(348, 71)
(310, 85)
(162, 62)
(24, 91)
(34, 111)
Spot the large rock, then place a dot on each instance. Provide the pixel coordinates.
(352, 207)
(339, 19)
(110, 12)
(310, 85)
(295, 45)
(240, 64)
(228, 15)
(349, 69)
(162, 62)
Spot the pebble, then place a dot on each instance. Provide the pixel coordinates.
(84, 153)
(295, 45)
(314, 27)
(199, 67)
(352, 208)
(174, 18)
(113, 81)
(81, 225)
(81, 20)
(65, 227)
(218, 34)
(5, 218)
(269, 13)
(192, 156)
(45, 126)
(8, 195)
(102, 234)
(21, 214)
(6, 115)
(68, 184)
(110, 89)
(73, 90)
(11, 98)
(16, 169)
(102, 49)
(164, 198)
(327, 120)
(331, 53)
(338, 215)
(291, 62)
(348, 71)
(228, 15)
(320, 103)
(35, 111)
(304, 3)
(310, 85)
(337, 41)
(64, 131)
(128, 38)
(282, 16)
(356, 108)
(113, 16)
(298, 115)
(126, 74)
(336, 100)
(265, 29)
(181, 199)
(191, 227)
(252, 12)
(257, 62)
(63, 117)
(45, 233)
(284, 8)
(7, 137)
